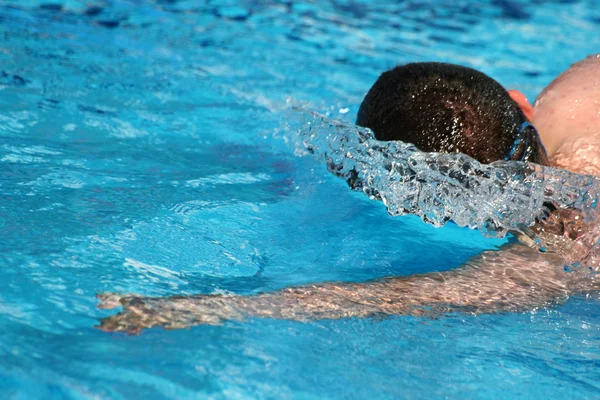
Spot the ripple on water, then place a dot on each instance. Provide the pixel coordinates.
(136, 155)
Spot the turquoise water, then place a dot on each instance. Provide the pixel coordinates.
(137, 154)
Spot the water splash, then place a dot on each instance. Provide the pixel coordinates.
(494, 198)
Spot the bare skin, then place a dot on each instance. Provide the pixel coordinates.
(567, 117)
(516, 278)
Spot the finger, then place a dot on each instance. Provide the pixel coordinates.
(109, 301)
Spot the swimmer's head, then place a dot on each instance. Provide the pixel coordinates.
(449, 108)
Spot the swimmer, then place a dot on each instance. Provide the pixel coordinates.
(515, 278)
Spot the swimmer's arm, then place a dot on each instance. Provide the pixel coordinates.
(513, 279)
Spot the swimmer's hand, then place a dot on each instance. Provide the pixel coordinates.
(175, 312)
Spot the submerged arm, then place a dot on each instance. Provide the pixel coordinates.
(515, 278)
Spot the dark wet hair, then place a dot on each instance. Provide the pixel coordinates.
(449, 108)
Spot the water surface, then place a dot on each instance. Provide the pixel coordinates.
(137, 155)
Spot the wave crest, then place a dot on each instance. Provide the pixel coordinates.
(438, 187)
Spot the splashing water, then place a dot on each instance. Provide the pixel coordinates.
(438, 187)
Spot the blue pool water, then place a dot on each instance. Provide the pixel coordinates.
(137, 154)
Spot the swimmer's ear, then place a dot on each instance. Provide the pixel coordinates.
(522, 101)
